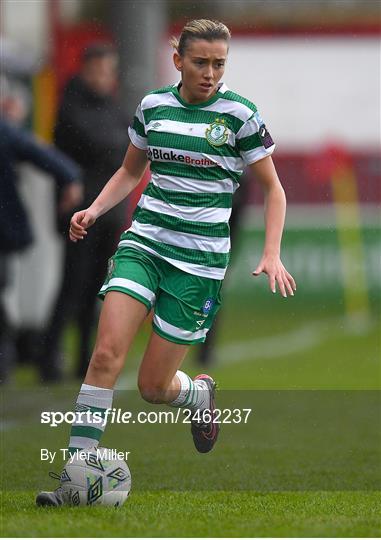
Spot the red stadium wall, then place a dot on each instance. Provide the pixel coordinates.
(307, 180)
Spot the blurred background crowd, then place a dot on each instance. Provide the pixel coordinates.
(72, 73)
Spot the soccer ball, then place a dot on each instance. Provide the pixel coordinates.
(92, 477)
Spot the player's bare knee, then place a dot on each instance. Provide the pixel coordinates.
(152, 392)
(105, 360)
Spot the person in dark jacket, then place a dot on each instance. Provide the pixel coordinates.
(92, 129)
(18, 145)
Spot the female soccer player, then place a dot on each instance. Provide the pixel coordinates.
(198, 136)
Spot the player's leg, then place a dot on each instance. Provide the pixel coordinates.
(127, 301)
(157, 379)
(129, 293)
(184, 311)
(161, 381)
(120, 319)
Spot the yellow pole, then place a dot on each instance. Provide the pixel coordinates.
(345, 196)
(44, 111)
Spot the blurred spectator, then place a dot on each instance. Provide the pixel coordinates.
(14, 100)
(17, 145)
(92, 130)
(18, 60)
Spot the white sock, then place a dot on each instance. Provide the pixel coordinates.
(193, 395)
(87, 432)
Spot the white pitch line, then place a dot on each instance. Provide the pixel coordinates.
(276, 346)
(272, 347)
(291, 342)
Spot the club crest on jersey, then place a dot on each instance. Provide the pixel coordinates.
(217, 133)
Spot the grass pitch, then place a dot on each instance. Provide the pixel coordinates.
(306, 463)
(203, 514)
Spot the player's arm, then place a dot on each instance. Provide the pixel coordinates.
(125, 179)
(275, 212)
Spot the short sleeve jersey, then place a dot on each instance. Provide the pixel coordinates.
(197, 154)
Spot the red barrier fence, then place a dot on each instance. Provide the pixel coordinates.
(305, 177)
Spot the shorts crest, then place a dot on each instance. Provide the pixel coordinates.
(208, 305)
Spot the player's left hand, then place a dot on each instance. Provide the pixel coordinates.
(277, 274)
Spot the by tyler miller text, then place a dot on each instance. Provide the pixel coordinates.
(107, 454)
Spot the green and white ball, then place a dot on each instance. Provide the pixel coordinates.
(90, 478)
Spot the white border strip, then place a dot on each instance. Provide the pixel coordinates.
(211, 272)
(187, 213)
(188, 185)
(176, 332)
(132, 286)
(181, 239)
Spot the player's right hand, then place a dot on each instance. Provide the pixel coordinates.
(81, 221)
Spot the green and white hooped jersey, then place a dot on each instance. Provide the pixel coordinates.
(197, 153)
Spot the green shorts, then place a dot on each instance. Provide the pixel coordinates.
(184, 305)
